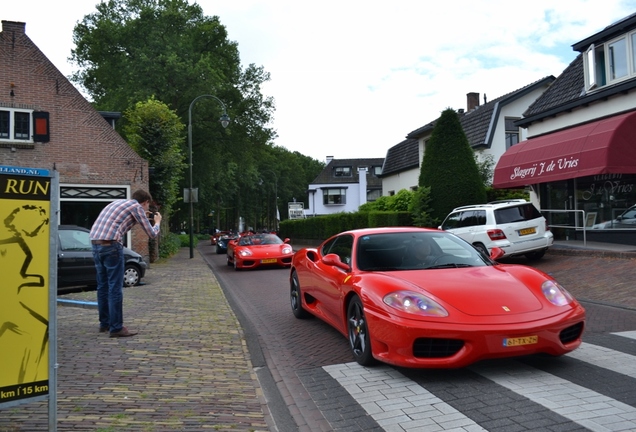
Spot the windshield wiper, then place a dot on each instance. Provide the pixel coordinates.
(450, 265)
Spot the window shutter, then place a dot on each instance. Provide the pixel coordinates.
(41, 126)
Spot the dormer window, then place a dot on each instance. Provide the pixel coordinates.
(342, 171)
(610, 62)
(617, 51)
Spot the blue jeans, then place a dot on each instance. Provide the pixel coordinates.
(109, 263)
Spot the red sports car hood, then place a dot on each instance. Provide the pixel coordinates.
(478, 291)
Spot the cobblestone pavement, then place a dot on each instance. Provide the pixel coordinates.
(599, 276)
(187, 369)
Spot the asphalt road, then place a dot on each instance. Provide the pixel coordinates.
(307, 376)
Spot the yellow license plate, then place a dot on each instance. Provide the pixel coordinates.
(527, 231)
(268, 260)
(526, 340)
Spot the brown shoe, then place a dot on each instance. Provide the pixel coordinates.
(124, 332)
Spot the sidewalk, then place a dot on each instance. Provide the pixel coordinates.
(595, 249)
(187, 369)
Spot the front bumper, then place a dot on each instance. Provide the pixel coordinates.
(400, 342)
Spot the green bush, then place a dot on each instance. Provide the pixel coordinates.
(503, 194)
(184, 239)
(169, 245)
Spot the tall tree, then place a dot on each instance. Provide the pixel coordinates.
(131, 50)
(449, 168)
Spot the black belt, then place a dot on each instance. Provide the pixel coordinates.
(102, 242)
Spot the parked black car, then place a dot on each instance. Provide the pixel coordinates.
(75, 265)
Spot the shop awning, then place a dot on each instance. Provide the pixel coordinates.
(605, 146)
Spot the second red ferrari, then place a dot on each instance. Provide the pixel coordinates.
(259, 250)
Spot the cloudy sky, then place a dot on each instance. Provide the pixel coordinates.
(352, 77)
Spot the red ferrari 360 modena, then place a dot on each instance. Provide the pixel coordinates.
(259, 250)
(425, 298)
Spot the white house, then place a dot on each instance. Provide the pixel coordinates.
(490, 130)
(344, 185)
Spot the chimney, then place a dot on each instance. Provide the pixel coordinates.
(329, 159)
(15, 27)
(362, 182)
(472, 100)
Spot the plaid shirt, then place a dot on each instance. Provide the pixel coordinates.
(118, 218)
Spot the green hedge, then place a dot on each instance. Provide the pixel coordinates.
(323, 227)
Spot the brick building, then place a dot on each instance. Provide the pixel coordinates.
(46, 123)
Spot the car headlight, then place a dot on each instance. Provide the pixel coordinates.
(415, 303)
(245, 252)
(287, 250)
(556, 294)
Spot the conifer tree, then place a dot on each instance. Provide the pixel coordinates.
(449, 168)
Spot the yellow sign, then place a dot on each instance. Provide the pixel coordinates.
(25, 217)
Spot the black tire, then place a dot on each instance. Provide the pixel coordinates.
(229, 263)
(295, 297)
(535, 255)
(132, 276)
(359, 339)
(481, 248)
(236, 268)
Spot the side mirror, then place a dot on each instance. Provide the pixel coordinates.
(496, 253)
(334, 260)
(287, 240)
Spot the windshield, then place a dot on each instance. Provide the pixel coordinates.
(260, 239)
(416, 250)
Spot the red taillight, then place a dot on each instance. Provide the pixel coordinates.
(496, 234)
(547, 227)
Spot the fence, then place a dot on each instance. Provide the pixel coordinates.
(583, 226)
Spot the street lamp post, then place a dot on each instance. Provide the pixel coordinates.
(225, 120)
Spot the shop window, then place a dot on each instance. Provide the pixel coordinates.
(608, 201)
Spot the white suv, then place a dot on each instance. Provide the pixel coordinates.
(515, 226)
